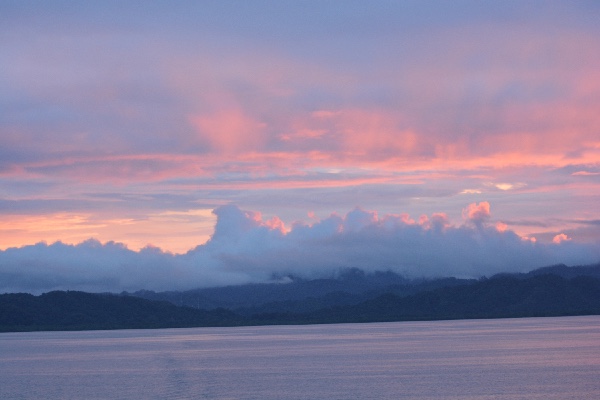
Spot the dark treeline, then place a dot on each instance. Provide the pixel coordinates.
(72, 310)
(353, 297)
(498, 297)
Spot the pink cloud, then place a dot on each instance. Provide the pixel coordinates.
(560, 238)
(357, 134)
(477, 213)
(437, 222)
(373, 132)
(501, 227)
(119, 169)
(585, 173)
(230, 131)
(276, 223)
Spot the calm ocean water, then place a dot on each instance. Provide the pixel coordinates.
(532, 358)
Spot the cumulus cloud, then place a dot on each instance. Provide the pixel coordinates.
(478, 214)
(561, 237)
(246, 248)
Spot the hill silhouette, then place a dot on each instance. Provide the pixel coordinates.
(352, 297)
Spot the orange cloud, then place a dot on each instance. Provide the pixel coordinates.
(175, 231)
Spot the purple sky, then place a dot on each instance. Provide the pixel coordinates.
(427, 137)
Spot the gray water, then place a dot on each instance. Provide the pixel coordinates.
(531, 358)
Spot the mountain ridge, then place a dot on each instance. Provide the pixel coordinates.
(550, 291)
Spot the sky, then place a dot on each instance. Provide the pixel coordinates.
(170, 145)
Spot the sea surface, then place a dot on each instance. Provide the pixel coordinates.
(529, 358)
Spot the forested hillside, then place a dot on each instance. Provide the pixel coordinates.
(70, 310)
(353, 297)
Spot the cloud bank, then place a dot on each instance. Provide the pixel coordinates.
(247, 248)
(114, 116)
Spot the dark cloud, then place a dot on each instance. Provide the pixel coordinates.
(595, 222)
(525, 222)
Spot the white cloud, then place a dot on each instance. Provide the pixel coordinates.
(245, 248)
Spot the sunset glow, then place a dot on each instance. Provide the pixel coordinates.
(131, 123)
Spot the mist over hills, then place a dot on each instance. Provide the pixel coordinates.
(354, 296)
(350, 287)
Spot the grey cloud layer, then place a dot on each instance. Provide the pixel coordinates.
(245, 248)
